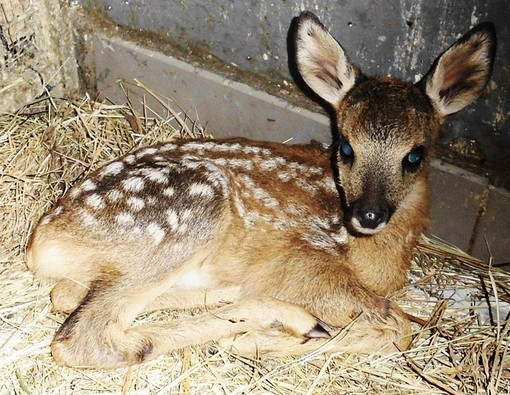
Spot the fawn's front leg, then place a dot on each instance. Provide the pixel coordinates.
(360, 336)
(258, 314)
(324, 286)
(180, 299)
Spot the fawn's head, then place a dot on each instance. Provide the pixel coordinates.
(387, 127)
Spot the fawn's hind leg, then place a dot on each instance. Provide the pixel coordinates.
(96, 333)
(59, 259)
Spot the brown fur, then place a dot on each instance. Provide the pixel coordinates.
(290, 244)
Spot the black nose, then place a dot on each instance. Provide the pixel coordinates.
(371, 218)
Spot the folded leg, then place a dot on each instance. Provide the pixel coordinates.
(91, 339)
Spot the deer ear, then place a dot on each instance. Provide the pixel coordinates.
(321, 61)
(458, 76)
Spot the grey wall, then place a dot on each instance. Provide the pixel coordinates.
(398, 37)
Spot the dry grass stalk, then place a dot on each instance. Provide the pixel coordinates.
(462, 346)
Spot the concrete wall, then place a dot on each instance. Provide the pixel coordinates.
(398, 37)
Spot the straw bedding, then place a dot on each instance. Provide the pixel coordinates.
(461, 305)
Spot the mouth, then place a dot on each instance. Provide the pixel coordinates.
(356, 225)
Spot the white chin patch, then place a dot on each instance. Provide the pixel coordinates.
(367, 231)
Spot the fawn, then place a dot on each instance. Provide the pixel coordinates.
(288, 243)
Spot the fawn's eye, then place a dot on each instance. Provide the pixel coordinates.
(413, 159)
(346, 152)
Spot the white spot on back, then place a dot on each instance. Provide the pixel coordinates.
(168, 191)
(305, 169)
(95, 201)
(306, 186)
(251, 150)
(272, 164)
(157, 176)
(268, 165)
(146, 151)
(212, 146)
(284, 176)
(133, 184)
(172, 219)
(220, 161)
(168, 147)
(58, 210)
(75, 192)
(156, 231)
(130, 159)
(201, 189)
(230, 147)
(190, 162)
(194, 146)
(88, 185)
(280, 161)
(112, 169)
(247, 181)
(125, 219)
(136, 203)
(259, 193)
(240, 163)
(268, 200)
(217, 177)
(242, 212)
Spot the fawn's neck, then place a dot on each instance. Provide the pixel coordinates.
(382, 259)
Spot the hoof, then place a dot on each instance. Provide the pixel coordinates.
(319, 331)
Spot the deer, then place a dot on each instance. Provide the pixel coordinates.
(287, 247)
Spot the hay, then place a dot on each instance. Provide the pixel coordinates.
(460, 305)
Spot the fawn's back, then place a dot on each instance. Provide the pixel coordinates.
(300, 239)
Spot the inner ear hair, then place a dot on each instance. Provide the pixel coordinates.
(322, 62)
(458, 76)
